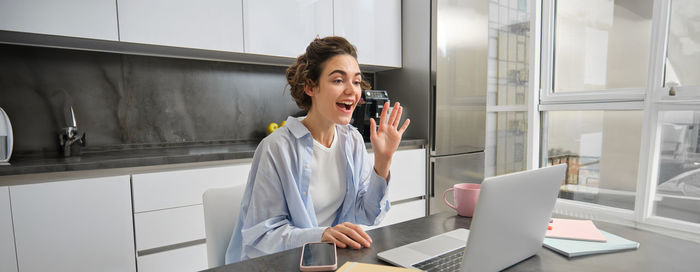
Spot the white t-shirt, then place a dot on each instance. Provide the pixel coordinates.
(327, 185)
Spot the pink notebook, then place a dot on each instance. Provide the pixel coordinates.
(575, 230)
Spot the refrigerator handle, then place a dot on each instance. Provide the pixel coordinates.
(432, 178)
(433, 118)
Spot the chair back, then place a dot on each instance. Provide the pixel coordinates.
(221, 207)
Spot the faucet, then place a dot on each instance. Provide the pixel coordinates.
(69, 135)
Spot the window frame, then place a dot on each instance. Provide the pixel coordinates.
(652, 99)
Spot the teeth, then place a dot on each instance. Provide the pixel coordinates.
(347, 103)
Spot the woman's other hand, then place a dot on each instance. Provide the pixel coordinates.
(386, 138)
(347, 234)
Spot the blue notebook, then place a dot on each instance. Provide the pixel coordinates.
(573, 248)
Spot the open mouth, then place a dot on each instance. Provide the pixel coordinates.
(346, 105)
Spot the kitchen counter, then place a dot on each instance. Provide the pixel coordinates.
(143, 155)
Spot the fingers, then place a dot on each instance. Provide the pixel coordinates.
(392, 116)
(405, 126)
(362, 232)
(382, 117)
(396, 115)
(372, 128)
(352, 235)
(347, 234)
(328, 237)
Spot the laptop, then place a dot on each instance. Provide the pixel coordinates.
(509, 224)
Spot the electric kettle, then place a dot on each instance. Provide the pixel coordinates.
(5, 138)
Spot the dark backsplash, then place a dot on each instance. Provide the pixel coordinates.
(125, 99)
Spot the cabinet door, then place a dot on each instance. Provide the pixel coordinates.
(374, 27)
(95, 19)
(180, 188)
(408, 171)
(408, 179)
(79, 225)
(8, 261)
(185, 259)
(283, 27)
(205, 24)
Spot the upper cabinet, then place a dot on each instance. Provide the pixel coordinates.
(374, 27)
(204, 24)
(94, 19)
(266, 31)
(283, 27)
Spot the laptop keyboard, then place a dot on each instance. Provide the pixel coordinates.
(450, 261)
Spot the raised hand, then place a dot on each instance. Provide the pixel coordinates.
(386, 138)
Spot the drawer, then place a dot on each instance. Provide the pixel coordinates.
(186, 259)
(404, 212)
(407, 174)
(163, 190)
(167, 227)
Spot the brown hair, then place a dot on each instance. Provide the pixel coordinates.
(308, 66)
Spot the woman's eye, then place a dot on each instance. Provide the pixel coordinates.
(337, 81)
(356, 83)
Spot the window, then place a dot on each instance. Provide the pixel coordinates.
(683, 53)
(508, 86)
(601, 44)
(678, 189)
(619, 102)
(601, 149)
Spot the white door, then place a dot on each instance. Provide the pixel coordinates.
(78, 225)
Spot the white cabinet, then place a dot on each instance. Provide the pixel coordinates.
(191, 258)
(169, 217)
(205, 24)
(95, 19)
(408, 178)
(78, 225)
(374, 27)
(406, 186)
(8, 260)
(407, 174)
(404, 211)
(283, 27)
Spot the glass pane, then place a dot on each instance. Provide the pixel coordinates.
(511, 138)
(508, 85)
(602, 150)
(601, 44)
(683, 53)
(509, 59)
(678, 189)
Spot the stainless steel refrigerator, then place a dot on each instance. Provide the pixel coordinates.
(458, 60)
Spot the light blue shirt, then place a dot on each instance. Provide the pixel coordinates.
(277, 212)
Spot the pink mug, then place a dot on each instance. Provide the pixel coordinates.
(466, 195)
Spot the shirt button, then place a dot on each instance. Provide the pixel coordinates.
(308, 166)
(304, 193)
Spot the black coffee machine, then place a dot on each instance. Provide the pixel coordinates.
(370, 106)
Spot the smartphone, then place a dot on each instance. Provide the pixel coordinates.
(318, 257)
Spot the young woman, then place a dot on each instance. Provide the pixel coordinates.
(311, 180)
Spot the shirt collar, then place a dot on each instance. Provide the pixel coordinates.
(299, 130)
(296, 127)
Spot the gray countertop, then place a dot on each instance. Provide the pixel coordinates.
(656, 252)
(142, 155)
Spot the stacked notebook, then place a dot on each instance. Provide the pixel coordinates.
(572, 238)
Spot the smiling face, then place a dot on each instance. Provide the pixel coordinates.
(337, 92)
